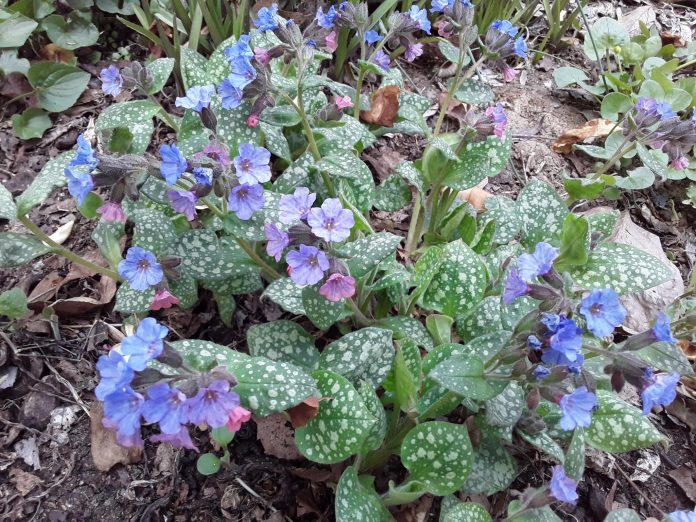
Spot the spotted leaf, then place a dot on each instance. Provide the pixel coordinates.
(51, 177)
(494, 469)
(474, 92)
(505, 409)
(205, 355)
(193, 68)
(19, 249)
(161, 69)
(407, 328)
(502, 210)
(623, 515)
(283, 341)
(107, 235)
(541, 212)
(153, 231)
(354, 501)
(129, 301)
(8, 209)
(286, 293)
(463, 512)
(322, 312)
(463, 374)
(366, 253)
(232, 128)
(275, 141)
(574, 462)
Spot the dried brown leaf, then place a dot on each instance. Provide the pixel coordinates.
(384, 108)
(277, 438)
(597, 128)
(684, 478)
(106, 451)
(23, 481)
(301, 414)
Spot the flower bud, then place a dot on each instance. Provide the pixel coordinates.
(170, 356)
(208, 119)
(533, 398)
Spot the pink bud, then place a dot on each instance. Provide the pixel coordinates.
(252, 121)
(330, 41)
(509, 74)
(337, 287)
(343, 102)
(111, 211)
(262, 55)
(163, 299)
(238, 416)
(680, 163)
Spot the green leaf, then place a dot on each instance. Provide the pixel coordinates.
(8, 209)
(153, 231)
(440, 328)
(636, 179)
(607, 33)
(218, 68)
(574, 462)
(544, 442)
(283, 341)
(287, 294)
(340, 427)
(51, 177)
(205, 355)
(459, 283)
(222, 436)
(32, 123)
(107, 235)
(281, 115)
(322, 312)
(667, 357)
(393, 194)
(603, 223)
(485, 317)
(438, 455)
(13, 303)
(161, 69)
(653, 159)
(208, 464)
(275, 141)
(364, 355)
(232, 128)
(616, 103)
(15, 30)
(474, 92)
(267, 386)
(407, 328)
(74, 31)
(202, 256)
(464, 512)
(10, 63)
(494, 469)
(463, 374)
(126, 114)
(478, 161)
(617, 426)
(193, 68)
(185, 289)
(57, 85)
(366, 253)
(583, 188)
(565, 76)
(226, 307)
(501, 209)
(354, 501)
(450, 51)
(542, 212)
(622, 268)
(623, 515)
(544, 514)
(575, 242)
(506, 409)
(18, 249)
(129, 301)
(376, 434)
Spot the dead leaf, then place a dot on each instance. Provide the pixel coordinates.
(646, 465)
(54, 53)
(631, 20)
(672, 39)
(28, 451)
(684, 478)
(62, 233)
(684, 409)
(24, 481)
(106, 451)
(45, 291)
(476, 196)
(597, 128)
(277, 438)
(688, 349)
(384, 107)
(301, 414)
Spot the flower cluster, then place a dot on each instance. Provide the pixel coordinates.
(493, 122)
(502, 42)
(202, 399)
(141, 270)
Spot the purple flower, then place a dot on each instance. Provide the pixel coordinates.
(212, 405)
(562, 487)
(240, 49)
(446, 6)
(682, 516)
(603, 311)
(145, 344)
(372, 37)
(246, 199)
(114, 374)
(217, 152)
(551, 321)
(183, 201)
(337, 287)
(122, 413)
(140, 268)
(243, 73)
(680, 163)
(112, 81)
(197, 98)
(84, 155)
(203, 175)
(296, 207)
(331, 222)
(307, 265)
(181, 439)
(520, 48)
(163, 299)
(326, 20)
(565, 344)
(230, 96)
(80, 184)
(577, 409)
(421, 17)
(173, 163)
(649, 111)
(278, 241)
(659, 390)
(505, 26)
(541, 373)
(251, 166)
(499, 119)
(382, 60)
(266, 18)
(112, 211)
(311, 42)
(533, 342)
(413, 51)
(515, 287)
(662, 329)
(166, 406)
(539, 263)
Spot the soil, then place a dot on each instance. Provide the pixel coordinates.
(164, 484)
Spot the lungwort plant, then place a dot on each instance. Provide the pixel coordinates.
(483, 331)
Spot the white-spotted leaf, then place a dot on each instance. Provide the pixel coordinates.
(284, 341)
(51, 177)
(541, 212)
(354, 501)
(464, 512)
(18, 249)
(494, 469)
(366, 253)
(129, 301)
(287, 294)
(322, 312)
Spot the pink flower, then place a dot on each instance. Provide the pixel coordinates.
(509, 74)
(444, 29)
(238, 416)
(413, 51)
(163, 299)
(337, 287)
(111, 211)
(343, 102)
(330, 41)
(680, 163)
(252, 121)
(217, 152)
(261, 55)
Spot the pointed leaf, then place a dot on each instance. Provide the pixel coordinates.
(284, 341)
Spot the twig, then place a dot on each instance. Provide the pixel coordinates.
(639, 491)
(255, 494)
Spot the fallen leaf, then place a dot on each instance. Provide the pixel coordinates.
(476, 196)
(62, 233)
(24, 481)
(684, 478)
(631, 20)
(688, 348)
(277, 438)
(684, 409)
(597, 128)
(384, 107)
(28, 451)
(54, 53)
(672, 39)
(45, 291)
(106, 451)
(646, 465)
(301, 414)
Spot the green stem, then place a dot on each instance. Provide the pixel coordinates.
(685, 64)
(412, 238)
(615, 157)
(164, 114)
(60, 250)
(454, 86)
(270, 271)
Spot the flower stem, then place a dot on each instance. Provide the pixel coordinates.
(164, 114)
(60, 250)
(270, 271)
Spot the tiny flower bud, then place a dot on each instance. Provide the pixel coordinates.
(208, 119)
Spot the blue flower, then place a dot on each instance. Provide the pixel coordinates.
(539, 263)
(140, 268)
(180, 439)
(240, 49)
(551, 321)
(506, 27)
(203, 175)
(252, 164)
(659, 390)
(311, 42)
(421, 17)
(84, 155)
(212, 405)
(372, 37)
(80, 184)
(521, 48)
(230, 96)
(662, 329)
(197, 98)
(266, 18)
(326, 20)
(563, 488)
(533, 342)
(682, 516)
(183, 201)
(114, 374)
(145, 344)
(603, 311)
(278, 241)
(515, 287)
(577, 409)
(173, 164)
(439, 6)
(243, 73)
(541, 373)
(245, 200)
(565, 344)
(166, 406)
(122, 413)
(382, 59)
(331, 222)
(112, 81)
(293, 208)
(307, 265)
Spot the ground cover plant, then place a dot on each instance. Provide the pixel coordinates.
(428, 354)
